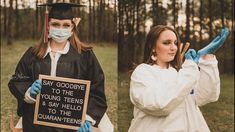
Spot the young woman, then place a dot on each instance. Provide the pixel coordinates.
(167, 95)
(64, 56)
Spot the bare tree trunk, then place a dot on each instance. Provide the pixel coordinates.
(131, 40)
(138, 15)
(140, 36)
(109, 29)
(121, 49)
(34, 25)
(155, 12)
(222, 11)
(115, 22)
(211, 20)
(94, 22)
(180, 7)
(201, 20)
(136, 43)
(126, 41)
(90, 23)
(104, 20)
(101, 20)
(16, 20)
(162, 15)
(187, 32)
(193, 32)
(36, 19)
(5, 19)
(9, 26)
(174, 10)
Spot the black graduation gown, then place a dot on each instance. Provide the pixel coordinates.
(72, 65)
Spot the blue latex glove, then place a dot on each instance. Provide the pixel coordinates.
(215, 44)
(86, 127)
(35, 88)
(191, 54)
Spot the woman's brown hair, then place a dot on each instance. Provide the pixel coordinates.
(150, 44)
(40, 49)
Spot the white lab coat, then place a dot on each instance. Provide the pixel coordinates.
(162, 99)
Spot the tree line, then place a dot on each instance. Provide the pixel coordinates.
(203, 20)
(98, 20)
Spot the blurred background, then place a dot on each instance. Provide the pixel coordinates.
(22, 23)
(117, 30)
(24, 19)
(197, 22)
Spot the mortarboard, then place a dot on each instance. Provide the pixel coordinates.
(60, 11)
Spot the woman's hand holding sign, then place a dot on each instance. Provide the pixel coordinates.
(35, 88)
(86, 127)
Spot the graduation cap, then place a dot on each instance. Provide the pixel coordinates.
(60, 11)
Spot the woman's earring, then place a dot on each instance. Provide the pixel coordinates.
(154, 58)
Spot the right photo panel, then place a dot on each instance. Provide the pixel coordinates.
(175, 65)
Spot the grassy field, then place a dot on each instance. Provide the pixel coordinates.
(125, 108)
(219, 115)
(10, 55)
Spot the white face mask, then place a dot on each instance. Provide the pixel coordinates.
(59, 35)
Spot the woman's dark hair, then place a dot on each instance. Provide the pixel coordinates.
(150, 44)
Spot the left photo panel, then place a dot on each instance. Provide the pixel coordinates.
(59, 66)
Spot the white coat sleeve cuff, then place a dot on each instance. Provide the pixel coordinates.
(90, 119)
(28, 98)
(210, 61)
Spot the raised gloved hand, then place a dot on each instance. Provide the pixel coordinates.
(212, 47)
(86, 127)
(215, 44)
(191, 54)
(35, 88)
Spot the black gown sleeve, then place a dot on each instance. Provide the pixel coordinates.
(97, 105)
(21, 80)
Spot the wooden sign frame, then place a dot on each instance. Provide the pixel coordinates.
(68, 80)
